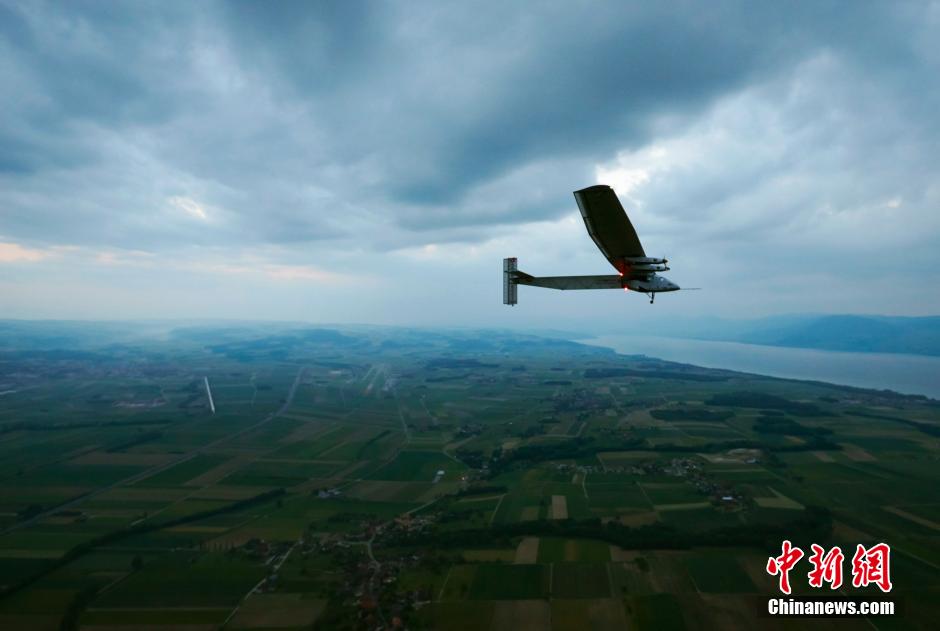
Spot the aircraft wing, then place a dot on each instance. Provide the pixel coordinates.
(608, 225)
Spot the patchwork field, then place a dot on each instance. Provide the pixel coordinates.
(445, 479)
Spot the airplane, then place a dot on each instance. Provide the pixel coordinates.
(614, 235)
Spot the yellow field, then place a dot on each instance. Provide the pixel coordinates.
(521, 615)
(688, 506)
(105, 458)
(306, 431)
(228, 492)
(529, 513)
(37, 622)
(843, 531)
(19, 553)
(527, 551)
(856, 453)
(131, 494)
(778, 501)
(639, 519)
(384, 490)
(217, 473)
(506, 556)
(469, 500)
(602, 614)
(914, 518)
(203, 529)
(619, 555)
(272, 611)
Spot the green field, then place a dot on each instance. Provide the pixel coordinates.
(717, 572)
(510, 582)
(580, 580)
(579, 488)
(553, 550)
(411, 466)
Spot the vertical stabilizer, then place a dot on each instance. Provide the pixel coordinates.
(510, 289)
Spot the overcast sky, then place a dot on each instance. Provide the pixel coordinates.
(373, 162)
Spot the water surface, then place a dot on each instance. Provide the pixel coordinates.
(910, 374)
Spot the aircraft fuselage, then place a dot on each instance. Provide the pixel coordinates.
(650, 284)
(610, 229)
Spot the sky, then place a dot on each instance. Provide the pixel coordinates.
(373, 162)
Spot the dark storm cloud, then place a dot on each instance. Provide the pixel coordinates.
(450, 98)
(107, 63)
(447, 99)
(391, 124)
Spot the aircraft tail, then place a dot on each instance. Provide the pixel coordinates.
(513, 277)
(510, 288)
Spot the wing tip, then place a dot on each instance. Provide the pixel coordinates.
(596, 187)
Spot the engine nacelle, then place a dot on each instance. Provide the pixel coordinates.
(644, 260)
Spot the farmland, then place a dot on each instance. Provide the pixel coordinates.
(353, 477)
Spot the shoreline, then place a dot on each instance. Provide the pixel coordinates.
(903, 374)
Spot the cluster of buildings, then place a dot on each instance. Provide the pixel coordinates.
(469, 429)
(270, 551)
(369, 586)
(722, 494)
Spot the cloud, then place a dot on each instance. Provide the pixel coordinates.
(190, 207)
(16, 253)
(322, 138)
(272, 271)
(744, 172)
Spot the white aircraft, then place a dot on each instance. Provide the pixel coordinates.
(609, 226)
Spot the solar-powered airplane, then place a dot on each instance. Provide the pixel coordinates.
(609, 226)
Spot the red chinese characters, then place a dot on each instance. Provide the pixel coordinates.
(783, 564)
(869, 566)
(826, 568)
(872, 565)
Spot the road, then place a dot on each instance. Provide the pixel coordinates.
(376, 566)
(401, 417)
(277, 568)
(162, 467)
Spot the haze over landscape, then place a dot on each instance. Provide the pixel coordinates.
(373, 162)
(256, 373)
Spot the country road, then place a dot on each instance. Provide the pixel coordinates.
(162, 467)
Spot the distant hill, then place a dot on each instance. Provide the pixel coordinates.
(870, 334)
(849, 333)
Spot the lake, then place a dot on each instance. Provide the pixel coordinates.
(910, 374)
